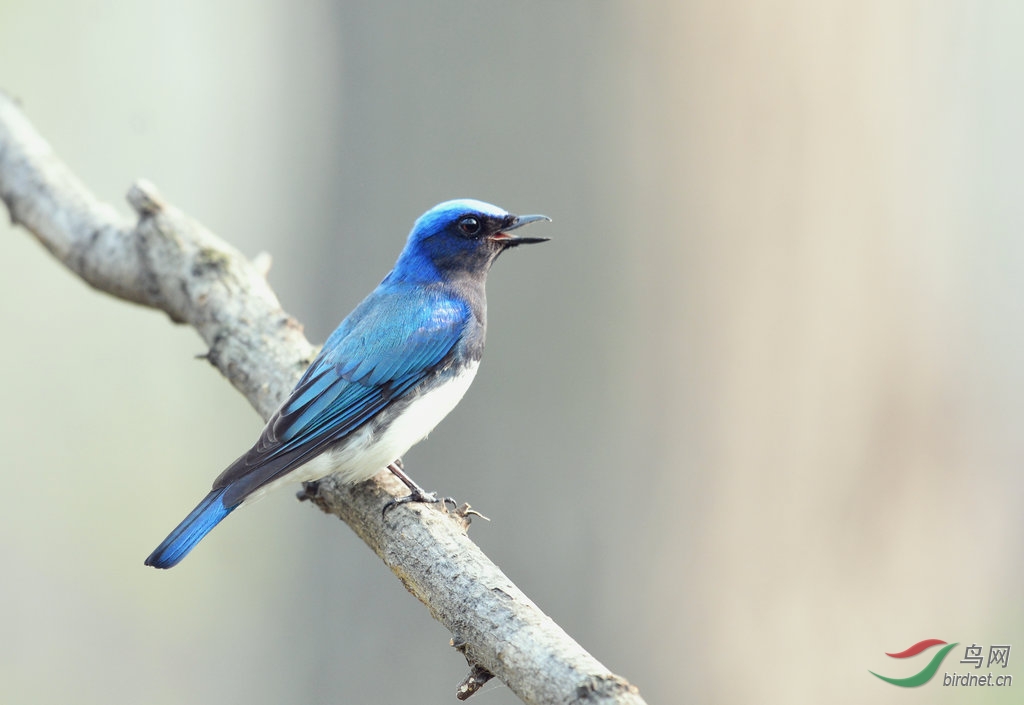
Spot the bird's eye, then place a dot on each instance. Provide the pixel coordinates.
(469, 225)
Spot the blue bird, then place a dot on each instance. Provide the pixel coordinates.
(384, 379)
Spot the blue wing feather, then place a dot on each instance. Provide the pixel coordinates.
(388, 344)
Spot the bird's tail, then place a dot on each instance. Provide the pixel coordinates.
(210, 512)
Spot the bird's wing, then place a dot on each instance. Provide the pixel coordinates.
(383, 349)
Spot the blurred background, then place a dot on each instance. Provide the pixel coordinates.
(751, 420)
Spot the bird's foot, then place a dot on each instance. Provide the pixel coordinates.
(419, 496)
(416, 493)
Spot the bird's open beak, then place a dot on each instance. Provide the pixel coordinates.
(518, 221)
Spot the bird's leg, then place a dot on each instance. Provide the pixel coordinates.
(416, 493)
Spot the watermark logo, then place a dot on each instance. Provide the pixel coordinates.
(974, 655)
(926, 673)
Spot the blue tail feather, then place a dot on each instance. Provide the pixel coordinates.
(210, 512)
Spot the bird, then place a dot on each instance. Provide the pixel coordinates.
(391, 371)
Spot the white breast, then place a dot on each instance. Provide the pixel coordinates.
(366, 453)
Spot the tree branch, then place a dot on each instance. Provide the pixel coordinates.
(170, 262)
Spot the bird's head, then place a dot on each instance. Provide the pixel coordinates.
(463, 236)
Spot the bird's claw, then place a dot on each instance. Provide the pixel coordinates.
(415, 496)
(418, 494)
(421, 497)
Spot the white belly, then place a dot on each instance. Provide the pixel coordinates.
(366, 453)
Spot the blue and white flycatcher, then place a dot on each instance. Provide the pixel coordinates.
(384, 379)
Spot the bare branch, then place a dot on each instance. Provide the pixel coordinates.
(170, 262)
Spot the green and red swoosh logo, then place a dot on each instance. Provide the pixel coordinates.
(926, 673)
